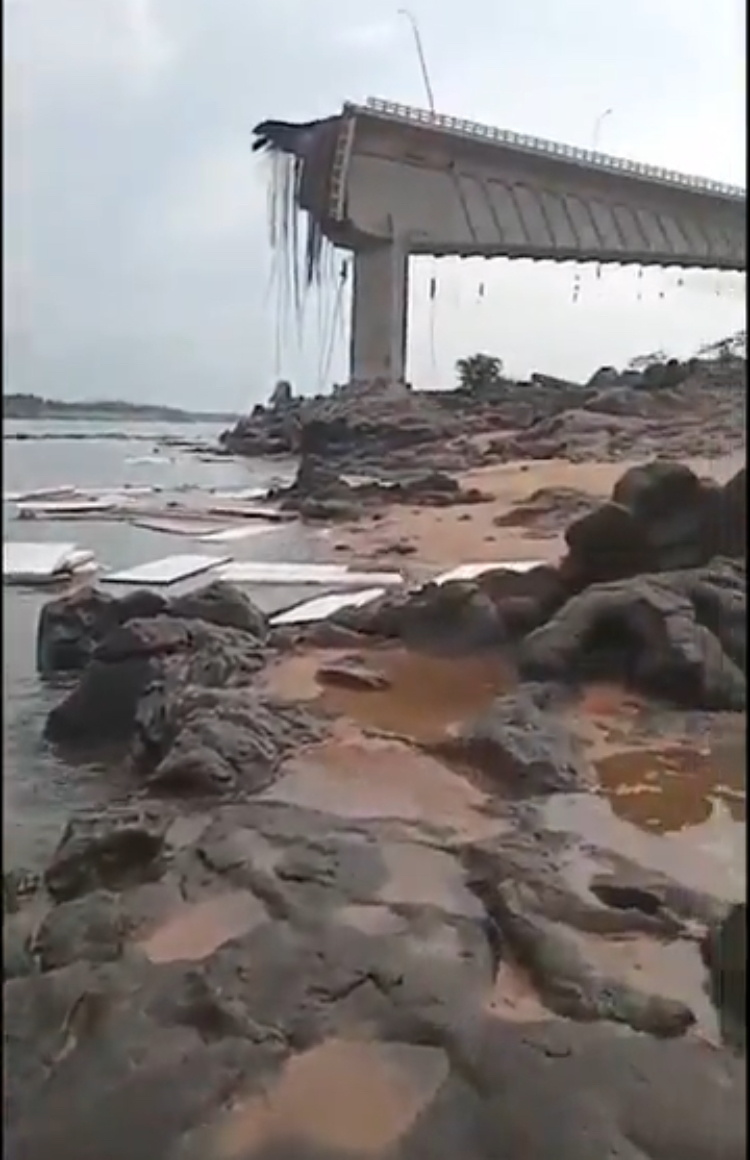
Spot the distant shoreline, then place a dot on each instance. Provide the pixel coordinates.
(34, 408)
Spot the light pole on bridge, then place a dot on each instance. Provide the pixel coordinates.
(596, 134)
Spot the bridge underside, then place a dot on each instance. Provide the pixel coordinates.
(387, 185)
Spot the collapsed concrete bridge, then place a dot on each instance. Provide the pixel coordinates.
(387, 181)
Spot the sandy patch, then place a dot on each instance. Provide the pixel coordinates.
(197, 931)
(444, 536)
(346, 1096)
(358, 776)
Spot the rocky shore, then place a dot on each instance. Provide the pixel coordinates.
(693, 409)
(349, 910)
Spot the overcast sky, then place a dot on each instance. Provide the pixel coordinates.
(136, 256)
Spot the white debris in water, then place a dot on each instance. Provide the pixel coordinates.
(324, 606)
(25, 563)
(225, 535)
(61, 508)
(337, 575)
(166, 571)
(472, 571)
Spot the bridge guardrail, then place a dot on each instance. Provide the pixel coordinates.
(488, 133)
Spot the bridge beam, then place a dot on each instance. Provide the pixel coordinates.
(380, 304)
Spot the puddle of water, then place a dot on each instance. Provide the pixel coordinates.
(425, 698)
(370, 777)
(428, 696)
(672, 801)
(673, 970)
(344, 1096)
(709, 858)
(198, 930)
(672, 788)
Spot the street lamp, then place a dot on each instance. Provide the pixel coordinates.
(420, 53)
(598, 128)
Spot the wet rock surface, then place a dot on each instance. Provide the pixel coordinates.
(519, 745)
(282, 949)
(320, 492)
(333, 930)
(686, 409)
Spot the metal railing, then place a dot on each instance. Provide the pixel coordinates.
(407, 114)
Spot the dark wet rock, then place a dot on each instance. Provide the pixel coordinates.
(605, 544)
(455, 616)
(730, 518)
(162, 655)
(522, 748)
(222, 604)
(573, 987)
(18, 959)
(352, 673)
(548, 509)
(70, 627)
(724, 951)
(282, 396)
(661, 517)
(321, 492)
(112, 1055)
(92, 928)
(205, 740)
(669, 634)
(524, 600)
(107, 852)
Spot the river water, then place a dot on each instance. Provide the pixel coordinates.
(39, 791)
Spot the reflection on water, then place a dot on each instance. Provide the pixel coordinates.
(672, 788)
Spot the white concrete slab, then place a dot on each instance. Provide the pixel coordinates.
(168, 570)
(336, 575)
(39, 493)
(472, 571)
(229, 535)
(240, 493)
(42, 509)
(25, 563)
(324, 606)
(178, 527)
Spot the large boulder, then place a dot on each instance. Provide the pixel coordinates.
(106, 852)
(522, 748)
(661, 517)
(71, 626)
(222, 604)
(164, 651)
(676, 635)
(201, 740)
(457, 616)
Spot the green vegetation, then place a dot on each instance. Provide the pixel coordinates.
(479, 371)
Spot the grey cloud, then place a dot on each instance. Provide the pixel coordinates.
(136, 255)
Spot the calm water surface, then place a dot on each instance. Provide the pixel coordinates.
(39, 790)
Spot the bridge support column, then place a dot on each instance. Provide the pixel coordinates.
(380, 303)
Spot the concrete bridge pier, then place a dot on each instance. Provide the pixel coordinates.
(380, 304)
